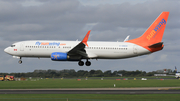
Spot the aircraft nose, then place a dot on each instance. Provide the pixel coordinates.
(6, 50)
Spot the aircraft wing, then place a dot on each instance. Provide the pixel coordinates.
(79, 49)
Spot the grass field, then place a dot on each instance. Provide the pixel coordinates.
(90, 83)
(89, 97)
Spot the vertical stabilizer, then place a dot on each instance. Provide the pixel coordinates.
(176, 69)
(151, 39)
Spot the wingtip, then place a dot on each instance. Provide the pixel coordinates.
(89, 31)
(86, 38)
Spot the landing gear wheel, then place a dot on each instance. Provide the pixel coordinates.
(88, 63)
(20, 61)
(80, 63)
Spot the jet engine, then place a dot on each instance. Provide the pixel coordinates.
(58, 56)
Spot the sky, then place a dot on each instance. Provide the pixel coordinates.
(108, 20)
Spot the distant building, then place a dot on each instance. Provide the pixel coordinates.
(166, 71)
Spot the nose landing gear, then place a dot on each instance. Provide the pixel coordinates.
(20, 61)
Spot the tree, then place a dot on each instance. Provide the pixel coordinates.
(92, 72)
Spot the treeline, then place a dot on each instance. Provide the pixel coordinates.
(81, 73)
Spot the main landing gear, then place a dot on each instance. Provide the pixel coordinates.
(20, 61)
(81, 63)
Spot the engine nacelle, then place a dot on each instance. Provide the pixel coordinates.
(58, 56)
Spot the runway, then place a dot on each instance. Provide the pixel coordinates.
(160, 90)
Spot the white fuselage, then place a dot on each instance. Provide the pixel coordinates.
(94, 50)
(177, 75)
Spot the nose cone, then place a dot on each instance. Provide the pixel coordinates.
(6, 50)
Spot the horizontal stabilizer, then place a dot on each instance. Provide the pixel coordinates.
(156, 45)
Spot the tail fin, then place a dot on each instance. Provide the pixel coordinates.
(176, 69)
(151, 39)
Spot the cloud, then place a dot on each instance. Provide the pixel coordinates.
(24, 27)
(71, 19)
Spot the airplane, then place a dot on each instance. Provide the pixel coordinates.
(148, 43)
(177, 75)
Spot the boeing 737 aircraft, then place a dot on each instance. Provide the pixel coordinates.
(148, 43)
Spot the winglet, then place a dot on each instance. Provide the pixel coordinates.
(127, 38)
(86, 38)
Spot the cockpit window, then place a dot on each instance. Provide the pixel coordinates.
(12, 45)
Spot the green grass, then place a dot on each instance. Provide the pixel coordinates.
(90, 83)
(89, 97)
(150, 77)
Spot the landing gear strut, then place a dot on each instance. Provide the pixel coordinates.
(20, 61)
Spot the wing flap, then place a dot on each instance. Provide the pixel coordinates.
(91, 55)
